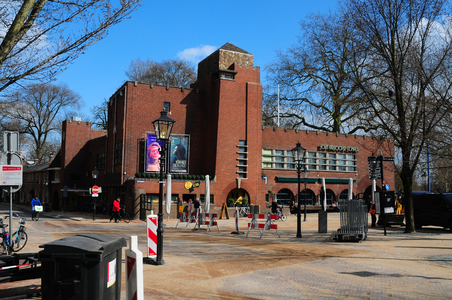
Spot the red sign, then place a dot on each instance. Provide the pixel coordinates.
(95, 189)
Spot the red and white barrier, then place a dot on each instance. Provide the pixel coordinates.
(202, 220)
(152, 236)
(187, 217)
(134, 271)
(268, 225)
(237, 227)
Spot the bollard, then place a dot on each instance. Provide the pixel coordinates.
(134, 269)
(152, 237)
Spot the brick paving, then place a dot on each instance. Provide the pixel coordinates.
(230, 266)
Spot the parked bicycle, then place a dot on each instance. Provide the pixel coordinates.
(5, 246)
(243, 211)
(123, 216)
(19, 237)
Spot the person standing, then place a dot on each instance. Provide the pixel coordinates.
(34, 202)
(372, 214)
(115, 209)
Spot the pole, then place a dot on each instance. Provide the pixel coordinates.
(159, 260)
(299, 203)
(305, 181)
(94, 202)
(10, 220)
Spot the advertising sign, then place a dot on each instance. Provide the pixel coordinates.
(179, 153)
(152, 153)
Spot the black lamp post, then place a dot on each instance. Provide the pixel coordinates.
(306, 174)
(298, 156)
(162, 128)
(94, 173)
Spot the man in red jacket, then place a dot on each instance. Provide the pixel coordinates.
(115, 210)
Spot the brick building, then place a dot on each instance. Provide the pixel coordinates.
(219, 124)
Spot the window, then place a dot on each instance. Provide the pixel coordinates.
(315, 161)
(166, 106)
(100, 161)
(117, 153)
(242, 159)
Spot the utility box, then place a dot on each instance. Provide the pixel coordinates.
(83, 266)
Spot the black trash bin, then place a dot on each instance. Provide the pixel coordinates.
(83, 266)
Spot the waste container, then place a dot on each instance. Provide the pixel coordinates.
(255, 209)
(83, 266)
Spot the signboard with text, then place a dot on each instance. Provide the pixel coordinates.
(10, 175)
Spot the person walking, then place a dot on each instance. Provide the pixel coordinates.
(34, 202)
(115, 210)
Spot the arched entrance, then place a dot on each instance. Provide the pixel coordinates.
(285, 197)
(307, 195)
(237, 193)
(344, 195)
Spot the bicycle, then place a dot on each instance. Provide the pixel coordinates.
(38, 210)
(123, 216)
(19, 237)
(243, 211)
(281, 216)
(5, 246)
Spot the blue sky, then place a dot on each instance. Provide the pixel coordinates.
(161, 30)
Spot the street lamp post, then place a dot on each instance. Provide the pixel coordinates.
(298, 156)
(162, 128)
(305, 175)
(94, 173)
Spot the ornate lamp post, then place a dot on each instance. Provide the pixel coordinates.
(305, 175)
(94, 173)
(298, 156)
(162, 128)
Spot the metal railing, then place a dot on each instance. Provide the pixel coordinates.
(354, 221)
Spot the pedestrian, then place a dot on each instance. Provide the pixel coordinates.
(372, 214)
(196, 206)
(335, 206)
(115, 210)
(34, 202)
(274, 206)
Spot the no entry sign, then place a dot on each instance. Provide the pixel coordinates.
(95, 189)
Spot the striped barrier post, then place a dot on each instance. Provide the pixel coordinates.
(152, 236)
(237, 227)
(268, 225)
(134, 269)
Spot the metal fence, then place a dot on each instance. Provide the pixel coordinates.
(354, 221)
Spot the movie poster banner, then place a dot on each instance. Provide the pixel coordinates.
(153, 153)
(180, 144)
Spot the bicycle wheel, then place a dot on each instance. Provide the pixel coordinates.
(126, 218)
(3, 247)
(20, 240)
(283, 218)
(37, 216)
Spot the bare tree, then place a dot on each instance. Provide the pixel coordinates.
(34, 111)
(42, 37)
(177, 73)
(316, 78)
(100, 115)
(408, 56)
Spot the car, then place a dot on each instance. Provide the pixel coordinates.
(433, 210)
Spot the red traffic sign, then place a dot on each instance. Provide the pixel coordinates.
(95, 189)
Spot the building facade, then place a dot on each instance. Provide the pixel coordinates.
(217, 132)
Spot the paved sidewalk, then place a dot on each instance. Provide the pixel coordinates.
(200, 265)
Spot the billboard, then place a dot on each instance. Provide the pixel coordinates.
(179, 147)
(153, 153)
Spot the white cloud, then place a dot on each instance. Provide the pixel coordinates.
(195, 55)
